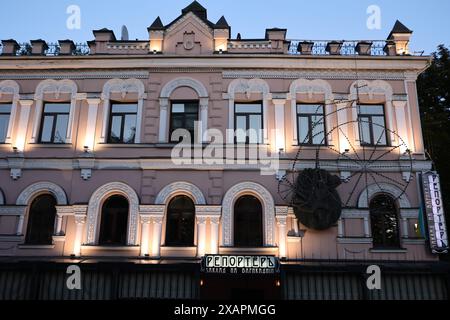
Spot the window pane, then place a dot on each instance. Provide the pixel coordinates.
(61, 128)
(248, 108)
(364, 128)
(379, 131)
(241, 129)
(371, 109)
(124, 108)
(47, 127)
(4, 121)
(129, 132)
(191, 108)
(318, 130)
(5, 108)
(57, 108)
(255, 134)
(303, 127)
(310, 108)
(178, 108)
(116, 128)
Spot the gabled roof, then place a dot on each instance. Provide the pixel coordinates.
(399, 28)
(196, 8)
(156, 25)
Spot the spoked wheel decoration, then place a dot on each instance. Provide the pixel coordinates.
(323, 179)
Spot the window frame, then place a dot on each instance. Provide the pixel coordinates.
(384, 245)
(247, 121)
(122, 126)
(372, 143)
(167, 237)
(103, 228)
(55, 120)
(184, 102)
(9, 120)
(310, 115)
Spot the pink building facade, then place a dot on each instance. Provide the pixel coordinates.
(87, 149)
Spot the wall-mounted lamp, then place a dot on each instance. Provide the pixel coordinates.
(86, 149)
(220, 51)
(281, 151)
(154, 51)
(15, 150)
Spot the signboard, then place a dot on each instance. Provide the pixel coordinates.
(435, 213)
(224, 264)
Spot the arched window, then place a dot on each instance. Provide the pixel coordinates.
(384, 221)
(248, 227)
(41, 221)
(114, 221)
(180, 222)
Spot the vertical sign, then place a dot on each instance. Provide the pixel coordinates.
(435, 213)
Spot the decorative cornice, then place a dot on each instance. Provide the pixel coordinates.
(76, 75)
(328, 74)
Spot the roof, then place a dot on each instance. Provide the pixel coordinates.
(156, 25)
(196, 8)
(399, 28)
(222, 23)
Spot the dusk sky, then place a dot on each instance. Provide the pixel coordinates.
(318, 19)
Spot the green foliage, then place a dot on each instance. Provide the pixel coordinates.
(434, 100)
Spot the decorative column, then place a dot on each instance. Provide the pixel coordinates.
(201, 236)
(25, 108)
(205, 214)
(404, 125)
(156, 240)
(145, 236)
(281, 216)
(164, 112)
(80, 221)
(61, 212)
(366, 227)
(341, 228)
(343, 131)
(19, 231)
(280, 138)
(89, 140)
(203, 119)
(214, 246)
(405, 227)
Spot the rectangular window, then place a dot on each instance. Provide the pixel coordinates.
(372, 125)
(183, 116)
(123, 120)
(55, 120)
(311, 124)
(248, 120)
(5, 114)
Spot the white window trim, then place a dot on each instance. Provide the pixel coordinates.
(311, 88)
(248, 87)
(56, 88)
(371, 88)
(95, 207)
(10, 88)
(164, 100)
(123, 87)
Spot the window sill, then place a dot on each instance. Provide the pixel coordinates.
(110, 248)
(349, 240)
(52, 145)
(36, 247)
(168, 248)
(388, 250)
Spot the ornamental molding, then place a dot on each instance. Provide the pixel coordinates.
(152, 210)
(247, 188)
(355, 214)
(371, 88)
(194, 84)
(77, 75)
(186, 17)
(9, 87)
(311, 87)
(248, 86)
(94, 210)
(123, 87)
(409, 213)
(33, 190)
(383, 188)
(56, 87)
(328, 74)
(180, 188)
(12, 210)
(208, 211)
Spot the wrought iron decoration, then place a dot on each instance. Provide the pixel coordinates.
(316, 201)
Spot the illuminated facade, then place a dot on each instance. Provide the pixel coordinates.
(87, 177)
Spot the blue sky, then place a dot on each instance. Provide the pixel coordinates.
(317, 19)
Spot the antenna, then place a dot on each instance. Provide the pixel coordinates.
(125, 36)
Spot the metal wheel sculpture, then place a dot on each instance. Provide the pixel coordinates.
(323, 179)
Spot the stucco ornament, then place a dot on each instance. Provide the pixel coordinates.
(30, 192)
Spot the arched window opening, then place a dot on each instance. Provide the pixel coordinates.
(248, 226)
(384, 221)
(41, 221)
(114, 221)
(180, 222)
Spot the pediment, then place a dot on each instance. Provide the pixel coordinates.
(189, 35)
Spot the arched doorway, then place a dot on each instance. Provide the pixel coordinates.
(180, 224)
(248, 222)
(384, 222)
(114, 221)
(41, 221)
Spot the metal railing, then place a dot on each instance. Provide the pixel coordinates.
(25, 49)
(348, 47)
